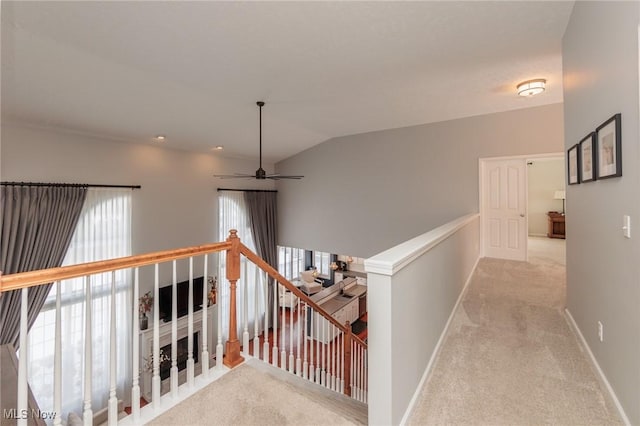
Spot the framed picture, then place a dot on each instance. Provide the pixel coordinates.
(609, 152)
(573, 166)
(587, 151)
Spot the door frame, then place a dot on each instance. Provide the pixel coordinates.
(481, 202)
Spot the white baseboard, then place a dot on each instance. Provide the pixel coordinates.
(594, 362)
(436, 350)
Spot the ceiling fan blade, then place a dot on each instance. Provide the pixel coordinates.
(278, 177)
(234, 176)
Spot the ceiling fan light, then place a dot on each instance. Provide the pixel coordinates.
(531, 87)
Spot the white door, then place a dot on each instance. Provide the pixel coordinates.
(503, 208)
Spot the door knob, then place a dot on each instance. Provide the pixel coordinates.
(521, 214)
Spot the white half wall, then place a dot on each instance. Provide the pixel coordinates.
(412, 290)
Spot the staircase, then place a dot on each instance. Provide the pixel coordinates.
(307, 348)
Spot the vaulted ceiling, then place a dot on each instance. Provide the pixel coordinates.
(194, 70)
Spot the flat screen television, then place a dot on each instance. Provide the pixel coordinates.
(165, 298)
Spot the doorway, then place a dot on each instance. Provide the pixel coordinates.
(504, 205)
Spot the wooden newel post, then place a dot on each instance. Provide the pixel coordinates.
(233, 357)
(347, 360)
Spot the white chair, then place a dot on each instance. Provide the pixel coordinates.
(288, 299)
(309, 283)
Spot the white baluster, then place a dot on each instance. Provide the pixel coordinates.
(190, 360)
(174, 332)
(256, 321)
(361, 373)
(318, 319)
(333, 357)
(57, 361)
(135, 388)
(219, 349)
(274, 349)
(298, 334)
(323, 378)
(341, 362)
(24, 352)
(205, 320)
(113, 399)
(155, 375)
(245, 310)
(291, 358)
(353, 369)
(305, 363)
(329, 356)
(265, 345)
(87, 414)
(313, 343)
(366, 377)
(357, 378)
(321, 337)
(283, 327)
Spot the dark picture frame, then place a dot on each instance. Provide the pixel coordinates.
(573, 165)
(609, 152)
(587, 152)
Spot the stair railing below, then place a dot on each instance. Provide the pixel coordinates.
(313, 344)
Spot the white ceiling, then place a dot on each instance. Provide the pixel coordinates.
(193, 70)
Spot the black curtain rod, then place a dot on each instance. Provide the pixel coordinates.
(248, 190)
(88, 185)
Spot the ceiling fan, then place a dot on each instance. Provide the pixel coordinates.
(260, 173)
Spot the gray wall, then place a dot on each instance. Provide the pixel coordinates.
(600, 67)
(425, 292)
(365, 193)
(177, 205)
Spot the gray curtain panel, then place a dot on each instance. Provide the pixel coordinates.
(262, 209)
(37, 223)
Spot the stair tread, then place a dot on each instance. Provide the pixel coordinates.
(349, 408)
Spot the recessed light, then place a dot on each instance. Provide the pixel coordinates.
(531, 87)
(160, 138)
(217, 148)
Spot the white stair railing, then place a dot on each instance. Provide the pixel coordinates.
(92, 274)
(304, 340)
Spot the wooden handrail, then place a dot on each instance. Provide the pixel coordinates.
(262, 264)
(34, 278)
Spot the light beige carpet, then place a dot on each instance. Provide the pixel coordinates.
(249, 395)
(510, 357)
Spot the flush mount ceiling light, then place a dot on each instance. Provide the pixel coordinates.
(160, 138)
(217, 148)
(531, 87)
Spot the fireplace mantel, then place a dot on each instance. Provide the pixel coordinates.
(146, 346)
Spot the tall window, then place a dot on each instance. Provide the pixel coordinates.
(321, 261)
(103, 232)
(290, 262)
(233, 215)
